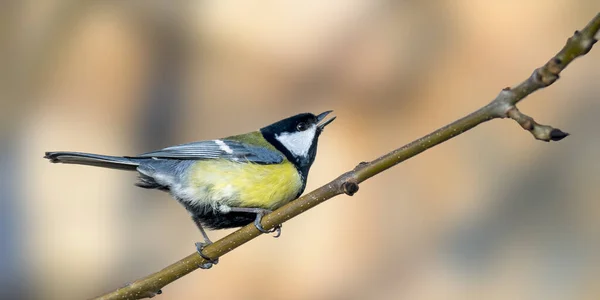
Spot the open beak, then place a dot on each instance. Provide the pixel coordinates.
(320, 118)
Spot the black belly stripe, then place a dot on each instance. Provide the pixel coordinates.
(213, 219)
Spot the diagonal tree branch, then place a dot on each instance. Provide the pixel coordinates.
(503, 106)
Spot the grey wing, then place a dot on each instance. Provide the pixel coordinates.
(225, 149)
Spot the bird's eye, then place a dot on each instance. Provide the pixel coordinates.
(301, 126)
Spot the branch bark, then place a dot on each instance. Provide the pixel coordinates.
(503, 106)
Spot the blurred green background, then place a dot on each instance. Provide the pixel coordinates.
(492, 214)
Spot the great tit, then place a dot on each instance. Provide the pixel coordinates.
(227, 182)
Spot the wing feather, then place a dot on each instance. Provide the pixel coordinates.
(224, 149)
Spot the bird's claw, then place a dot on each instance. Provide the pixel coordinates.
(276, 229)
(210, 262)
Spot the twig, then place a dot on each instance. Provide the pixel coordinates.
(503, 106)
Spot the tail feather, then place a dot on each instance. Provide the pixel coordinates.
(105, 161)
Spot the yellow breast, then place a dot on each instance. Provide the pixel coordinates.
(224, 182)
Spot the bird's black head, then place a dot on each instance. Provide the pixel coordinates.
(297, 138)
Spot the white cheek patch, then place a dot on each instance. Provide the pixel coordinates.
(298, 142)
(223, 146)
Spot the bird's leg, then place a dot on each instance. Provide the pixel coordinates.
(260, 212)
(201, 245)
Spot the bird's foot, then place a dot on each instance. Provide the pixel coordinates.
(210, 262)
(260, 213)
(259, 216)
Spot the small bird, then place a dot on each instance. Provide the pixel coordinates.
(229, 182)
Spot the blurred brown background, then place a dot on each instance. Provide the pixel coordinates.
(492, 214)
